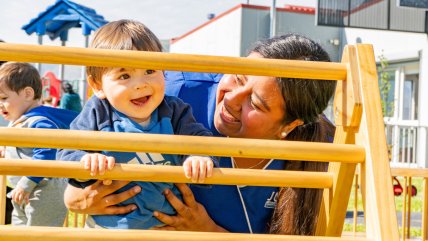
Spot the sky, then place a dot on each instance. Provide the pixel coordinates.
(166, 18)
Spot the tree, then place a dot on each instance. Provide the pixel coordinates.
(385, 86)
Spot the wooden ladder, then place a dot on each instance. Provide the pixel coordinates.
(359, 140)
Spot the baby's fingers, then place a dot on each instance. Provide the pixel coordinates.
(195, 170)
(187, 166)
(210, 167)
(202, 171)
(110, 162)
(86, 161)
(94, 165)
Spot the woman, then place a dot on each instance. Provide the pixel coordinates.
(70, 100)
(245, 107)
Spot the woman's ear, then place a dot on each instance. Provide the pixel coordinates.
(285, 130)
(28, 93)
(96, 87)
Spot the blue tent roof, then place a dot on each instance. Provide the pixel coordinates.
(63, 15)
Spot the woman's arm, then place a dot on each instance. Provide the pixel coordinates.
(98, 198)
(191, 215)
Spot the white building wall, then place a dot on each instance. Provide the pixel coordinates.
(255, 26)
(422, 153)
(395, 45)
(221, 37)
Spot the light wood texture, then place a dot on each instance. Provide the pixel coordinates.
(425, 211)
(175, 144)
(381, 221)
(157, 173)
(2, 199)
(404, 212)
(409, 206)
(348, 111)
(347, 100)
(410, 172)
(11, 233)
(171, 61)
(355, 211)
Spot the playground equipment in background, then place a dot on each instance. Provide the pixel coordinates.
(51, 87)
(398, 189)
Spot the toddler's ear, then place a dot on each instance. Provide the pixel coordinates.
(28, 93)
(96, 87)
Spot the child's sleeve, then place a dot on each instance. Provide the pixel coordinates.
(184, 123)
(93, 115)
(28, 183)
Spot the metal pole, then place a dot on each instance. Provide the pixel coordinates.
(273, 18)
(40, 42)
(83, 84)
(61, 67)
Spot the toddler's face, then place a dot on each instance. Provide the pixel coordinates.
(134, 92)
(13, 105)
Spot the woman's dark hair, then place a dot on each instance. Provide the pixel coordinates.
(297, 209)
(68, 88)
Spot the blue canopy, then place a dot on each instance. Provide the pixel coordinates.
(63, 15)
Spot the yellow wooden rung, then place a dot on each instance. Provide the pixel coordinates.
(157, 173)
(176, 144)
(10, 233)
(171, 61)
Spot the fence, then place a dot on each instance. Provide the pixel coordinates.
(407, 174)
(403, 139)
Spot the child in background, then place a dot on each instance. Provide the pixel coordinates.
(133, 100)
(37, 201)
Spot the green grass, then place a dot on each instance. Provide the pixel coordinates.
(71, 220)
(416, 205)
(417, 201)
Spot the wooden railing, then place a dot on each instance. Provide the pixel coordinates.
(407, 175)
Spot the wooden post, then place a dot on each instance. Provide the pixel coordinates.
(409, 205)
(425, 210)
(2, 199)
(404, 212)
(354, 229)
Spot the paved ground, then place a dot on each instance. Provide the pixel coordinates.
(416, 218)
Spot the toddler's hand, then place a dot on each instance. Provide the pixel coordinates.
(198, 167)
(97, 163)
(19, 195)
(2, 151)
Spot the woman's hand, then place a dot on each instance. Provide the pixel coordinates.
(191, 215)
(98, 198)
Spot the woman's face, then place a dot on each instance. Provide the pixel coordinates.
(249, 106)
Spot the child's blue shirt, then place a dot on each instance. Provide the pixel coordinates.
(171, 117)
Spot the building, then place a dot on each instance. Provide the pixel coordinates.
(232, 33)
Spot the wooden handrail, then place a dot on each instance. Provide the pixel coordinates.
(11, 233)
(175, 144)
(410, 172)
(171, 61)
(159, 173)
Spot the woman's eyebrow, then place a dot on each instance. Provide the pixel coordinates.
(262, 101)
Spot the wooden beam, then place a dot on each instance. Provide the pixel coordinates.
(160, 173)
(176, 144)
(381, 220)
(171, 61)
(11, 233)
(2, 199)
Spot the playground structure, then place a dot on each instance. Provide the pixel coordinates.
(359, 140)
(55, 22)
